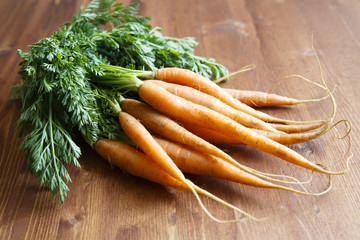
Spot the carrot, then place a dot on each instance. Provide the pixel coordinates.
(185, 111)
(297, 128)
(141, 137)
(195, 162)
(162, 125)
(215, 137)
(215, 104)
(263, 99)
(135, 162)
(194, 80)
(295, 138)
(282, 138)
(286, 139)
(138, 164)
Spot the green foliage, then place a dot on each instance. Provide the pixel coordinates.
(59, 94)
(136, 44)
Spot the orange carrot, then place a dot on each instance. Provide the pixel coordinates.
(134, 162)
(263, 99)
(185, 111)
(215, 104)
(297, 128)
(138, 164)
(194, 80)
(141, 137)
(282, 138)
(195, 162)
(295, 138)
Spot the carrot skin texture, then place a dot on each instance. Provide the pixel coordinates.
(141, 137)
(210, 135)
(191, 113)
(195, 162)
(134, 162)
(203, 99)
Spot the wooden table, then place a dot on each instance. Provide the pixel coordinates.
(105, 203)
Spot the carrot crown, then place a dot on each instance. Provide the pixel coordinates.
(121, 78)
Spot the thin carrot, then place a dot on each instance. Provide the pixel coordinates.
(297, 128)
(138, 164)
(191, 79)
(215, 104)
(282, 138)
(185, 111)
(295, 138)
(263, 99)
(195, 162)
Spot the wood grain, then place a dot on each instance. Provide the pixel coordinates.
(105, 203)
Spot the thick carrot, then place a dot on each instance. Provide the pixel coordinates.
(195, 162)
(141, 137)
(297, 128)
(185, 111)
(194, 80)
(135, 162)
(263, 99)
(138, 164)
(215, 104)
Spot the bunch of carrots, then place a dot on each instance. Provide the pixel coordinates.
(171, 119)
(179, 118)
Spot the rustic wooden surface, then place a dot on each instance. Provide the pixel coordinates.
(105, 203)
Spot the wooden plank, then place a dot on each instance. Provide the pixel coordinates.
(105, 203)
